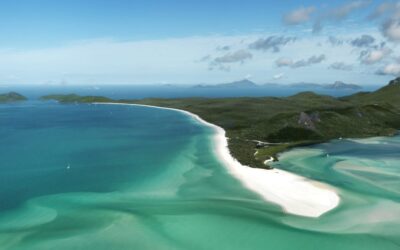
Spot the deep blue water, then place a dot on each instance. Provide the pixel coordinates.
(138, 92)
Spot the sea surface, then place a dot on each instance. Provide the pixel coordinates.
(172, 91)
(128, 177)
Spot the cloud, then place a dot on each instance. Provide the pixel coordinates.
(316, 59)
(317, 26)
(381, 10)
(219, 63)
(374, 56)
(273, 43)
(298, 16)
(177, 60)
(248, 76)
(391, 26)
(334, 41)
(341, 66)
(344, 11)
(278, 76)
(390, 69)
(391, 29)
(286, 62)
(282, 62)
(338, 14)
(223, 48)
(123, 62)
(237, 56)
(219, 67)
(204, 58)
(363, 41)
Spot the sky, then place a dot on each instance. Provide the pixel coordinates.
(190, 42)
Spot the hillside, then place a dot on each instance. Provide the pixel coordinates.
(72, 98)
(270, 125)
(11, 97)
(388, 95)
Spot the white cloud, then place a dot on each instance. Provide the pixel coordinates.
(220, 62)
(341, 66)
(273, 43)
(286, 62)
(237, 56)
(345, 10)
(390, 69)
(339, 13)
(374, 56)
(298, 16)
(283, 62)
(334, 41)
(179, 61)
(381, 10)
(391, 30)
(278, 76)
(391, 26)
(248, 76)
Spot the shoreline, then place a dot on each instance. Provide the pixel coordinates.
(294, 194)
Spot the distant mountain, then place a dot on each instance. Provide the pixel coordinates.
(237, 84)
(338, 85)
(341, 85)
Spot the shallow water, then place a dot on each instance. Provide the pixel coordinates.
(125, 177)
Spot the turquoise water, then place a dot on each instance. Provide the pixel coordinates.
(125, 177)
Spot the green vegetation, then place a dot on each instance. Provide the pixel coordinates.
(266, 152)
(73, 98)
(388, 95)
(303, 119)
(11, 97)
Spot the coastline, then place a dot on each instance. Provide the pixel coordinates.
(294, 194)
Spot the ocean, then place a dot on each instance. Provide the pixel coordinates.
(129, 177)
(172, 91)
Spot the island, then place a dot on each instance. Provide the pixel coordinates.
(338, 85)
(245, 83)
(73, 98)
(11, 97)
(258, 129)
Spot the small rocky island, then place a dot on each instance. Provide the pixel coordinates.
(11, 97)
(260, 128)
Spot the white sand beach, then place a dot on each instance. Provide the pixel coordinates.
(295, 194)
